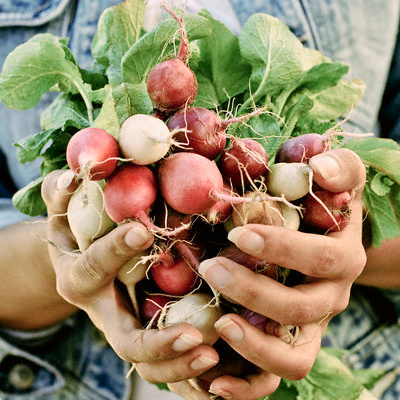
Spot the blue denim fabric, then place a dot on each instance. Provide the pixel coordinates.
(74, 362)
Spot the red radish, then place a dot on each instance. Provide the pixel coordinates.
(243, 161)
(171, 84)
(192, 184)
(301, 148)
(289, 180)
(258, 320)
(177, 279)
(92, 152)
(199, 310)
(144, 139)
(334, 217)
(86, 215)
(152, 308)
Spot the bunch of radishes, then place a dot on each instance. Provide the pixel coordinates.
(174, 172)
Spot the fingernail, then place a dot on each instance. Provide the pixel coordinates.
(217, 275)
(229, 330)
(137, 237)
(185, 342)
(220, 392)
(247, 240)
(202, 362)
(65, 179)
(325, 165)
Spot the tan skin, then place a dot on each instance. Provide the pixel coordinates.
(86, 282)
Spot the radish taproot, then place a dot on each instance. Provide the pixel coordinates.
(243, 161)
(87, 217)
(144, 139)
(131, 274)
(199, 310)
(92, 153)
(171, 84)
(152, 309)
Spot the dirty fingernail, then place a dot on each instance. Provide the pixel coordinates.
(137, 237)
(217, 275)
(229, 329)
(185, 342)
(325, 165)
(65, 179)
(246, 240)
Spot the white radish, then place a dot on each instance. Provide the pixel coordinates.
(87, 217)
(132, 273)
(289, 180)
(291, 217)
(199, 310)
(144, 139)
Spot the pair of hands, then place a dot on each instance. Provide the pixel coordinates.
(174, 355)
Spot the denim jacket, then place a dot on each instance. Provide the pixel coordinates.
(71, 360)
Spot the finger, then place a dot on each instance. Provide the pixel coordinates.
(296, 305)
(100, 263)
(251, 387)
(269, 352)
(187, 391)
(323, 256)
(186, 366)
(57, 189)
(338, 170)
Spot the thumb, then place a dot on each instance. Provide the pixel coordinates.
(339, 170)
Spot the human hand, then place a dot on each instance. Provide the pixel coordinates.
(87, 280)
(331, 263)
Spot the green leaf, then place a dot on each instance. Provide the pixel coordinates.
(131, 99)
(274, 53)
(221, 72)
(64, 112)
(31, 147)
(156, 44)
(29, 200)
(108, 118)
(34, 67)
(119, 27)
(381, 184)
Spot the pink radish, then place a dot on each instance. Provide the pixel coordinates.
(92, 153)
(152, 308)
(171, 84)
(192, 184)
(86, 214)
(243, 161)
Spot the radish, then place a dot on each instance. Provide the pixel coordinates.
(301, 148)
(152, 308)
(192, 184)
(144, 139)
(265, 212)
(334, 217)
(86, 214)
(198, 310)
(221, 210)
(177, 279)
(254, 264)
(92, 153)
(171, 84)
(243, 161)
(132, 273)
(289, 180)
